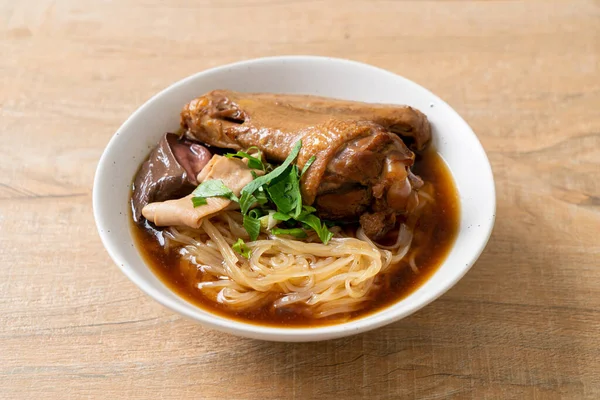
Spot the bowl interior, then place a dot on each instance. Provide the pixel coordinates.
(343, 79)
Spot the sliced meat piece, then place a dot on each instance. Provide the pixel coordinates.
(182, 211)
(233, 172)
(170, 171)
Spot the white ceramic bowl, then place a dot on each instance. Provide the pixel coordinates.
(332, 77)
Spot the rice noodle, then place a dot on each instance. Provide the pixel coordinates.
(323, 280)
(329, 279)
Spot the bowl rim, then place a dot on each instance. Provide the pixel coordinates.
(247, 329)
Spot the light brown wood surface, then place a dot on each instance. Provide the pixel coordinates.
(523, 324)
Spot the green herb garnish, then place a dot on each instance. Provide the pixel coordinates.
(295, 232)
(279, 216)
(253, 162)
(273, 199)
(242, 248)
(315, 223)
(261, 180)
(199, 201)
(252, 226)
(307, 165)
(255, 213)
(247, 200)
(212, 188)
(284, 191)
(282, 187)
(309, 209)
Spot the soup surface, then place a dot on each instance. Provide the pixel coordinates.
(433, 237)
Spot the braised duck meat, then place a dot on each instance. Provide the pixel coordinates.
(362, 164)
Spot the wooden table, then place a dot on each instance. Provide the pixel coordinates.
(523, 324)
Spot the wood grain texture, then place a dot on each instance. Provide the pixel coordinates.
(523, 324)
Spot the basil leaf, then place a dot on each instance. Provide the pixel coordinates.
(284, 191)
(279, 216)
(261, 180)
(307, 165)
(295, 232)
(199, 201)
(315, 223)
(240, 247)
(252, 226)
(214, 188)
(253, 162)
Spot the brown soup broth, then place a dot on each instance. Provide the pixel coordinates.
(434, 235)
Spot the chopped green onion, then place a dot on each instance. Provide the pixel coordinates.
(255, 213)
(281, 216)
(267, 222)
(295, 232)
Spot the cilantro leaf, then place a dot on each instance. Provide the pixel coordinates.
(295, 232)
(242, 248)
